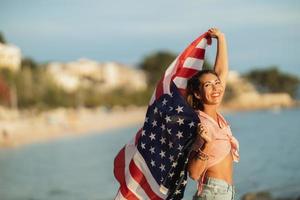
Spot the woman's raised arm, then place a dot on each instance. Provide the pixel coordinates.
(221, 62)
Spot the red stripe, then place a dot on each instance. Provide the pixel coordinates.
(137, 136)
(139, 177)
(159, 88)
(196, 53)
(185, 72)
(127, 194)
(119, 172)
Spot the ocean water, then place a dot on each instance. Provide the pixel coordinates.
(81, 168)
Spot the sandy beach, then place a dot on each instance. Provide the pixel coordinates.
(25, 128)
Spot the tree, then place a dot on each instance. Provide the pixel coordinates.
(155, 65)
(273, 80)
(2, 39)
(28, 63)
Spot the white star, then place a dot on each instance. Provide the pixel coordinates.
(154, 123)
(155, 110)
(180, 121)
(170, 144)
(162, 167)
(143, 133)
(184, 182)
(160, 113)
(174, 164)
(180, 147)
(171, 174)
(146, 119)
(170, 108)
(152, 136)
(164, 102)
(191, 124)
(179, 109)
(162, 140)
(152, 163)
(177, 192)
(152, 150)
(163, 127)
(181, 173)
(171, 158)
(162, 154)
(168, 119)
(169, 131)
(179, 134)
(143, 145)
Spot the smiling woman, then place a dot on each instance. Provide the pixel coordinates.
(211, 164)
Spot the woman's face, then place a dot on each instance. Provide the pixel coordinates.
(211, 89)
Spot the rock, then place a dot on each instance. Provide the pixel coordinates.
(257, 196)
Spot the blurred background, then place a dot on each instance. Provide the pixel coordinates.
(76, 77)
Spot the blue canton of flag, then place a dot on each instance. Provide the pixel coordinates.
(167, 135)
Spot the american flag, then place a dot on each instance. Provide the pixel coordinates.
(153, 165)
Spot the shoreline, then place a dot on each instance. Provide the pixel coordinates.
(26, 127)
(60, 123)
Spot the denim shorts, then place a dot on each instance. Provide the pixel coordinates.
(216, 189)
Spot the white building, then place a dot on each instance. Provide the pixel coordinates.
(103, 76)
(10, 57)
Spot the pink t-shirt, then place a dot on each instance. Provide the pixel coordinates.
(223, 144)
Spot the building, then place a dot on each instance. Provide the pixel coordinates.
(102, 76)
(10, 57)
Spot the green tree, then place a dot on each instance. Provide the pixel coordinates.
(2, 39)
(273, 80)
(29, 63)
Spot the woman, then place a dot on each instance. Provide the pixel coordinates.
(215, 149)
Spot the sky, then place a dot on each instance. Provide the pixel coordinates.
(259, 33)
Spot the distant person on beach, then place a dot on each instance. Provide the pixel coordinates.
(215, 148)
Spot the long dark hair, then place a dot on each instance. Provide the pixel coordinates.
(193, 86)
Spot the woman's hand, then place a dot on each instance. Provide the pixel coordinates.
(205, 135)
(214, 32)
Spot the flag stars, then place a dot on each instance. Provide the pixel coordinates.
(164, 102)
(192, 124)
(155, 110)
(152, 150)
(143, 145)
(171, 174)
(179, 134)
(162, 167)
(177, 192)
(152, 136)
(169, 131)
(146, 119)
(174, 164)
(171, 158)
(179, 148)
(181, 173)
(162, 154)
(143, 132)
(162, 140)
(152, 163)
(163, 127)
(170, 144)
(180, 121)
(167, 118)
(184, 182)
(170, 108)
(154, 123)
(179, 109)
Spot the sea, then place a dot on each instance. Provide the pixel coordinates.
(81, 168)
